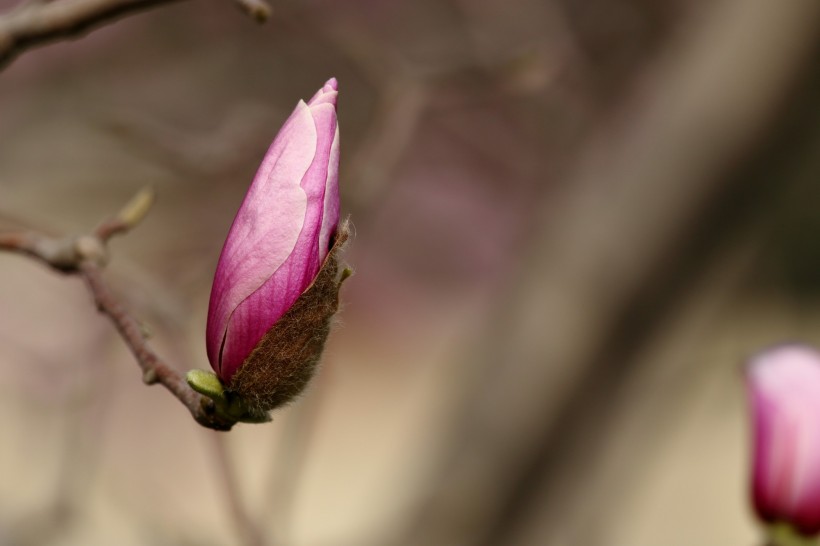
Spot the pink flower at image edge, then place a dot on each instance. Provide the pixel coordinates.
(783, 385)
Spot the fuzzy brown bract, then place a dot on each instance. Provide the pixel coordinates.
(284, 360)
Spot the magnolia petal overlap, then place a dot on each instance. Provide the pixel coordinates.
(281, 234)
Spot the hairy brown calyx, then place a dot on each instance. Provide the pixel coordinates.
(284, 360)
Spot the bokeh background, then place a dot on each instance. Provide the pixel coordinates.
(574, 220)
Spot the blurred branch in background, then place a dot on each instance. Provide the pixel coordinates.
(84, 406)
(249, 532)
(37, 22)
(653, 183)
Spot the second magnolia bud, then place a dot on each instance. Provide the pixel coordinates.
(783, 385)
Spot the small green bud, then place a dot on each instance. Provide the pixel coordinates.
(227, 404)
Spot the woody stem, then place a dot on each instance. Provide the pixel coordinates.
(85, 256)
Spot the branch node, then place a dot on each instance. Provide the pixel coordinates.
(259, 10)
(136, 209)
(145, 330)
(149, 377)
(90, 248)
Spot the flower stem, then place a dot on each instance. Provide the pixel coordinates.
(782, 534)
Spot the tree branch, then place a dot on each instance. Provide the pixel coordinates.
(36, 22)
(85, 255)
(651, 195)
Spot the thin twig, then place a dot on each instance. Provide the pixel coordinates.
(251, 534)
(31, 24)
(85, 256)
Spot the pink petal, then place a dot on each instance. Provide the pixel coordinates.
(784, 394)
(281, 234)
(330, 216)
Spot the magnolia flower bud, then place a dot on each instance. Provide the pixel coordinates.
(276, 284)
(783, 385)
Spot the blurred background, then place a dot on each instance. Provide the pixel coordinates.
(573, 223)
